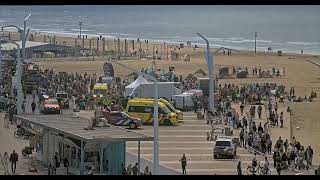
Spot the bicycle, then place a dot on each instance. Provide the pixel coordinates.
(258, 170)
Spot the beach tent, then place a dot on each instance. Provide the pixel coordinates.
(131, 87)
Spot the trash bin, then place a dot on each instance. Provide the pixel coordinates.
(279, 53)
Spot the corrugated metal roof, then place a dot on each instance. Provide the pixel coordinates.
(11, 46)
(74, 127)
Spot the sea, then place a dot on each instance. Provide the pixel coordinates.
(287, 28)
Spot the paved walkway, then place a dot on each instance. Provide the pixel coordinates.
(9, 143)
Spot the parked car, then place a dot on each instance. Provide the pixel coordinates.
(225, 147)
(49, 106)
(43, 97)
(121, 119)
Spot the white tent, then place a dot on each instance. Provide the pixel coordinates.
(131, 87)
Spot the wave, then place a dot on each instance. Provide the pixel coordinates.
(304, 43)
(238, 43)
(82, 30)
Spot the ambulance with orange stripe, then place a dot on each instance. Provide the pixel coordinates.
(143, 109)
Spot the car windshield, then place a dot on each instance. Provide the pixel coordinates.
(99, 91)
(223, 143)
(166, 110)
(52, 101)
(62, 95)
(170, 107)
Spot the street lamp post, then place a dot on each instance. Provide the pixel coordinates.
(80, 24)
(23, 35)
(155, 117)
(25, 38)
(209, 60)
(255, 42)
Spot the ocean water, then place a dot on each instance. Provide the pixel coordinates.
(286, 28)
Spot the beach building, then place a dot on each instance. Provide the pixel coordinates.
(102, 148)
(43, 50)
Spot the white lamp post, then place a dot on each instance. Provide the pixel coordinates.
(80, 25)
(23, 35)
(209, 59)
(155, 118)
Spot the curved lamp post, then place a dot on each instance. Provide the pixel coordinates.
(23, 35)
(209, 59)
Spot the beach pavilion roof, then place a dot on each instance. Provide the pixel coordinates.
(11, 46)
(74, 127)
(199, 72)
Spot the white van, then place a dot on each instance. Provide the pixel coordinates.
(183, 101)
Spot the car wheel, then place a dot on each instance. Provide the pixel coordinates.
(167, 122)
(132, 125)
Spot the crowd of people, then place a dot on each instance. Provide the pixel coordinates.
(134, 170)
(285, 154)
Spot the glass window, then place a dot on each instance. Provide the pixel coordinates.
(166, 110)
(51, 101)
(140, 109)
(62, 96)
(223, 143)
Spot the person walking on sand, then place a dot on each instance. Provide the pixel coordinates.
(146, 171)
(24, 106)
(14, 159)
(278, 168)
(259, 111)
(281, 120)
(239, 168)
(241, 108)
(135, 170)
(129, 169)
(183, 161)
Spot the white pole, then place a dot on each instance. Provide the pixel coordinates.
(155, 131)
(209, 59)
(155, 119)
(24, 38)
(255, 42)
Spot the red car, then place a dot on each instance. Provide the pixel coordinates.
(118, 118)
(50, 106)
